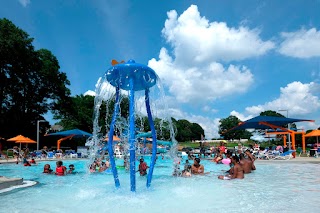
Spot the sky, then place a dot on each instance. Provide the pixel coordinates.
(214, 58)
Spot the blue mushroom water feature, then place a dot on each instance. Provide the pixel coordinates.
(132, 77)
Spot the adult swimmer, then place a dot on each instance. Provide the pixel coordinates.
(196, 167)
(251, 157)
(245, 163)
(238, 172)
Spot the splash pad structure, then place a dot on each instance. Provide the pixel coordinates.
(131, 77)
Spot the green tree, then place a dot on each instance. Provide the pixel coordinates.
(79, 112)
(226, 124)
(186, 131)
(271, 113)
(30, 82)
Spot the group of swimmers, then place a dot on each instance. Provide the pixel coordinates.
(239, 165)
(61, 170)
(99, 166)
(195, 169)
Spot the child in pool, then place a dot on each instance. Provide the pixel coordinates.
(71, 169)
(60, 169)
(47, 169)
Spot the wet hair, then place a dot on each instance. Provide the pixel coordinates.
(59, 163)
(197, 159)
(71, 165)
(241, 156)
(229, 152)
(236, 158)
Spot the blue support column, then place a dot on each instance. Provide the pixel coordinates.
(132, 138)
(154, 139)
(110, 139)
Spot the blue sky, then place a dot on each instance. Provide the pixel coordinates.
(215, 58)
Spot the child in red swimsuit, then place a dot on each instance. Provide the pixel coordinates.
(60, 170)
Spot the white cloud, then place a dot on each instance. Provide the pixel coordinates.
(298, 98)
(242, 117)
(301, 44)
(24, 3)
(90, 92)
(309, 125)
(196, 40)
(192, 71)
(207, 108)
(202, 83)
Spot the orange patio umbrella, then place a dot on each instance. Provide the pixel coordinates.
(21, 139)
(18, 138)
(26, 141)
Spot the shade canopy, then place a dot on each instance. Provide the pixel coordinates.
(68, 134)
(75, 132)
(255, 123)
(313, 133)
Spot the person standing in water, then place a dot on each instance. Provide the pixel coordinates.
(196, 167)
(142, 167)
(60, 169)
(238, 172)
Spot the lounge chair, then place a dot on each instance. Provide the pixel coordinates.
(266, 155)
(317, 154)
(50, 155)
(285, 156)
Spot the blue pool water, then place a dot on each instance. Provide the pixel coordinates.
(273, 187)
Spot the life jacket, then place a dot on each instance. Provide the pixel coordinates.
(60, 170)
(143, 166)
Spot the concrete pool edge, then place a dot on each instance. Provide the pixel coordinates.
(9, 184)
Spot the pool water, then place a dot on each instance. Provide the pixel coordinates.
(273, 187)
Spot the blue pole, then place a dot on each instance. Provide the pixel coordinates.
(132, 138)
(154, 138)
(110, 138)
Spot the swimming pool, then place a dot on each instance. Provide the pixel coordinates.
(273, 187)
